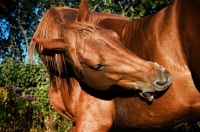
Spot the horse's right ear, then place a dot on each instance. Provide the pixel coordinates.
(83, 11)
(51, 44)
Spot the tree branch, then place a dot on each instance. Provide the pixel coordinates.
(22, 29)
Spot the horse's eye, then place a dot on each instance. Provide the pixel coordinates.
(98, 67)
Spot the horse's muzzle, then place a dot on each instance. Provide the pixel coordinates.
(162, 83)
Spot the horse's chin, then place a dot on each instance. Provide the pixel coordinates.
(149, 96)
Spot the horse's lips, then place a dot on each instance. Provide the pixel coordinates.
(147, 95)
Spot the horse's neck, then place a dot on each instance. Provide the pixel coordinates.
(179, 22)
(149, 35)
(169, 37)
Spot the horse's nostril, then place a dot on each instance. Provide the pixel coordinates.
(163, 81)
(162, 85)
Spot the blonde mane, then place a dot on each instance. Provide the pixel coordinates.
(52, 27)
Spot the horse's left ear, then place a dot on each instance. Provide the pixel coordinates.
(51, 44)
(83, 11)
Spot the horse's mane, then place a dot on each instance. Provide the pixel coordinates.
(52, 27)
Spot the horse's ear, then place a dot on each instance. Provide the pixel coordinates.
(83, 11)
(51, 44)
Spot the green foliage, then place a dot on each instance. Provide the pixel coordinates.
(24, 102)
(131, 8)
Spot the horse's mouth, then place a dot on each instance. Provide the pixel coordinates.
(148, 95)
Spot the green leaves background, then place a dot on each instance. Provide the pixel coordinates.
(26, 106)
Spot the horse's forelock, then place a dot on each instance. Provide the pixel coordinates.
(51, 27)
(73, 34)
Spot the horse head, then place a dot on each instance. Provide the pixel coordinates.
(96, 55)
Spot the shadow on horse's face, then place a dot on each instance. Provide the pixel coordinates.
(105, 63)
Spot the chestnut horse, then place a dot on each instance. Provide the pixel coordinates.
(159, 38)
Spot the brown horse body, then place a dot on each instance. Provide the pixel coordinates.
(170, 38)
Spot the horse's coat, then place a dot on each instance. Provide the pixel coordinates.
(169, 37)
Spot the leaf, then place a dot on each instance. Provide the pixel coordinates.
(23, 94)
(38, 78)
